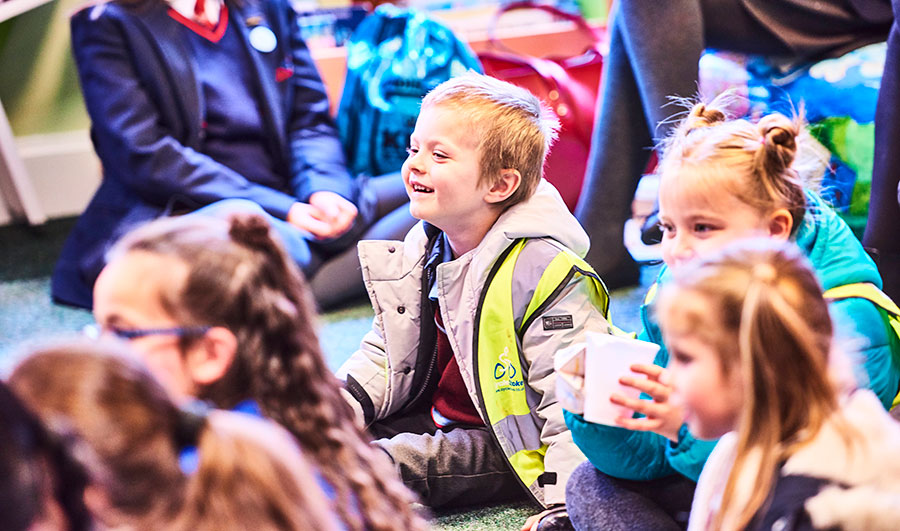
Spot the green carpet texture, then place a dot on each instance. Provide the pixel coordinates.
(27, 317)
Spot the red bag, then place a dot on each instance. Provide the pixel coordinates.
(569, 85)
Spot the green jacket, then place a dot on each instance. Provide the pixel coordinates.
(838, 259)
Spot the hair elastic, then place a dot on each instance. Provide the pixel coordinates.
(189, 424)
(765, 273)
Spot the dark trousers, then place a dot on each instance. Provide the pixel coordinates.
(332, 267)
(597, 501)
(448, 467)
(883, 222)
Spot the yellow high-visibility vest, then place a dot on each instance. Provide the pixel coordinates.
(499, 371)
(865, 290)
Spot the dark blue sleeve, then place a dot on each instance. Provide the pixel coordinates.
(127, 129)
(317, 156)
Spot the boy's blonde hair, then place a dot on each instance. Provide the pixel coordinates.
(760, 306)
(514, 128)
(766, 165)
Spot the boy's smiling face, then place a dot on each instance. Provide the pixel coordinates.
(442, 170)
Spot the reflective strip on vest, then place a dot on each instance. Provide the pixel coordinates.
(500, 375)
(519, 432)
(865, 290)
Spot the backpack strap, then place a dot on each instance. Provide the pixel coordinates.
(868, 291)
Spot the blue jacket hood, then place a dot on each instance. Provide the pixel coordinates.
(834, 251)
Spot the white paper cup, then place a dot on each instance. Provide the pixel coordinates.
(606, 359)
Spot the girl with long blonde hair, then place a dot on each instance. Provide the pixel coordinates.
(753, 362)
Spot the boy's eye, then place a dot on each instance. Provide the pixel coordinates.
(703, 227)
(666, 227)
(439, 156)
(412, 151)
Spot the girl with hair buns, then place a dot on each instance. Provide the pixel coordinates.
(159, 466)
(751, 343)
(720, 181)
(219, 312)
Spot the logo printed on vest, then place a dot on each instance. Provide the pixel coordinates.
(558, 322)
(504, 372)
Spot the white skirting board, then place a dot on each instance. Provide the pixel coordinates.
(63, 170)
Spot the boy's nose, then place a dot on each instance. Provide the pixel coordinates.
(414, 162)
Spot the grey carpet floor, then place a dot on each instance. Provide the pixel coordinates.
(28, 317)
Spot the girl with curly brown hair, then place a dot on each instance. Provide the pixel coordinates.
(219, 312)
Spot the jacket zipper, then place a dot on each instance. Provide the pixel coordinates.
(425, 302)
(427, 377)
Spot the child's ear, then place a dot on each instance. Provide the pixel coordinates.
(505, 186)
(780, 224)
(209, 360)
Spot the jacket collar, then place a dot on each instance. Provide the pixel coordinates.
(543, 215)
(164, 33)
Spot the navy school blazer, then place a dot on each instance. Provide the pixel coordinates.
(145, 104)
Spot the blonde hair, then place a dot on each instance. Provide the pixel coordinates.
(250, 472)
(766, 165)
(765, 316)
(515, 129)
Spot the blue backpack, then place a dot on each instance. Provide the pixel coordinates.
(394, 58)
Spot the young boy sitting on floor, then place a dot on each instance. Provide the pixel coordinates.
(456, 378)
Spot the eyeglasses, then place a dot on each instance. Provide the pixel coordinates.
(94, 331)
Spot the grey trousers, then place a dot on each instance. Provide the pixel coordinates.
(449, 467)
(597, 501)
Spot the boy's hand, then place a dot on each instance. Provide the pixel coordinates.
(662, 416)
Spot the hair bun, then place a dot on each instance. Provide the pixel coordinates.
(778, 139)
(703, 115)
(250, 230)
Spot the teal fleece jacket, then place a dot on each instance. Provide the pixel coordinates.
(838, 259)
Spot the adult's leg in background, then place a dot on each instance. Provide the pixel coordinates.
(884, 205)
(597, 501)
(384, 202)
(618, 156)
